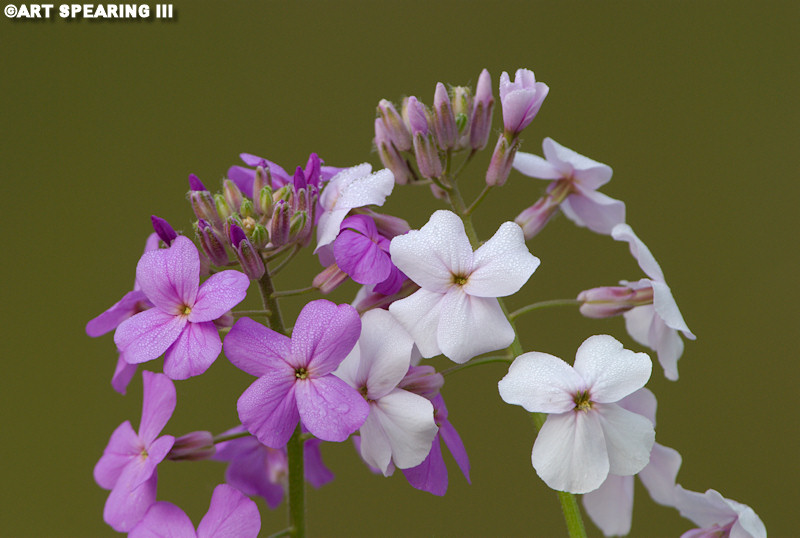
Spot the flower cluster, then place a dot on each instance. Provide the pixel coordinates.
(355, 371)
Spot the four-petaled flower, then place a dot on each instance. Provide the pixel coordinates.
(181, 322)
(586, 435)
(456, 312)
(295, 375)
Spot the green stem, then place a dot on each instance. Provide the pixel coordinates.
(289, 293)
(569, 505)
(543, 304)
(297, 493)
(474, 205)
(221, 438)
(475, 362)
(286, 260)
(251, 313)
(272, 310)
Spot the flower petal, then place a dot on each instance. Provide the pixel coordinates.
(359, 188)
(502, 265)
(629, 438)
(385, 350)
(469, 326)
(158, 404)
(330, 408)
(595, 210)
(570, 452)
(196, 348)
(123, 446)
(147, 335)
(170, 277)
(610, 371)
(431, 474)
(164, 520)
(253, 467)
(419, 314)
(123, 374)
(361, 258)
(221, 292)
(317, 474)
(131, 497)
(589, 173)
(456, 447)
(660, 473)
(256, 349)
(122, 310)
(268, 408)
(431, 255)
(541, 383)
(407, 422)
(323, 335)
(230, 515)
(611, 505)
(534, 166)
(667, 309)
(642, 254)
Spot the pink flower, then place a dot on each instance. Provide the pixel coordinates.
(456, 312)
(295, 375)
(719, 517)
(575, 180)
(230, 515)
(128, 464)
(587, 435)
(181, 323)
(521, 100)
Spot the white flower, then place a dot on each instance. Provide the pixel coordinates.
(400, 426)
(456, 310)
(717, 515)
(587, 435)
(350, 188)
(656, 325)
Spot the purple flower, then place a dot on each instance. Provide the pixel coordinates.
(131, 304)
(128, 464)
(181, 323)
(719, 517)
(431, 474)
(230, 515)
(295, 380)
(244, 178)
(256, 469)
(520, 99)
(363, 254)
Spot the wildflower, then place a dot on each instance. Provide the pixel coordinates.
(718, 516)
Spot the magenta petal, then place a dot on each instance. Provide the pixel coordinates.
(123, 374)
(251, 469)
(431, 474)
(147, 335)
(164, 520)
(158, 405)
(111, 318)
(195, 349)
(170, 277)
(392, 284)
(230, 515)
(361, 258)
(221, 292)
(317, 474)
(256, 349)
(123, 446)
(455, 446)
(243, 178)
(127, 503)
(323, 336)
(330, 408)
(268, 409)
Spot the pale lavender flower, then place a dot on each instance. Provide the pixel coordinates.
(611, 505)
(520, 100)
(295, 380)
(482, 107)
(400, 425)
(230, 515)
(128, 464)
(256, 469)
(431, 474)
(456, 311)
(574, 183)
(362, 253)
(717, 516)
(181, 323)
(352, 187)
(654, 325)
(131, 304)
(586, 435)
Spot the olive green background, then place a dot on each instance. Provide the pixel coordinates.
(693, 104)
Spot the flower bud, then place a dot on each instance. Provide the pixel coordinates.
(195, 184)
(261, 180)
(481, 124)
(232, 195)
(428, 161)
(211, 243)
(462, 109)
(223, 209)
(225, 321)
(521, 100)
(279, 225)
(395, 127)
(422, 380)
(502, 159)
(248, 255)
(259, 236)
(202, 202)
(534, 218)
(300, 227)
(192, 447)
(416, 116)
(163, 230)
(247, 210)
(444, 122)
(300, 200)
(389, 155)
(609, 301)
(265, 200)
(329, 279)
